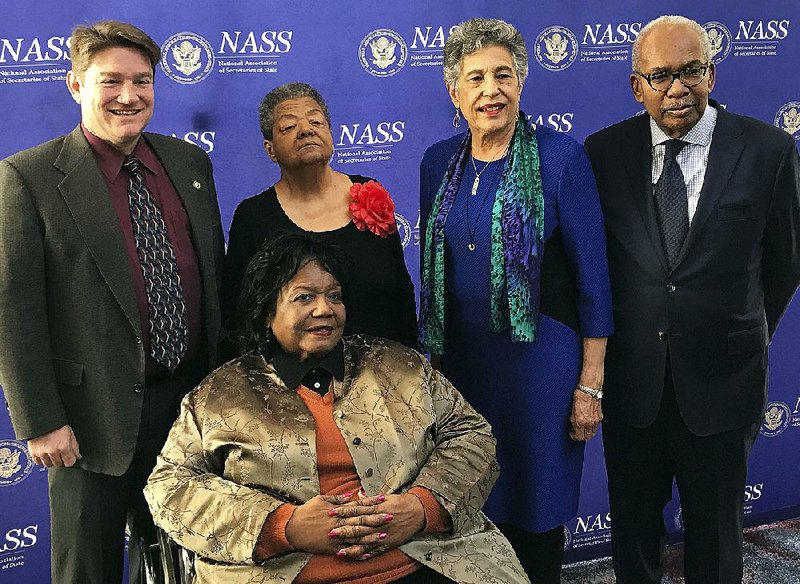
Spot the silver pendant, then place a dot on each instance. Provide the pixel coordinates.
(475, 185)
(471, 246)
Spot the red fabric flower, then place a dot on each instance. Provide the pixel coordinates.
(372, 208)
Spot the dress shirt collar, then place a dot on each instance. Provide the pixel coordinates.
(292, 371)
(700, 133)
(110, 159)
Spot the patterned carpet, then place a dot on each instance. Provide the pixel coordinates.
(771, 556)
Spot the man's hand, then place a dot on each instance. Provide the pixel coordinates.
(56, 448)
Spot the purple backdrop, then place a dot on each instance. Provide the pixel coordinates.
(221, 58)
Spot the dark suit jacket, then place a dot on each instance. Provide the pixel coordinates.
(739, 267)
(70, 337)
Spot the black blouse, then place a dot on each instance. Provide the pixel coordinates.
(380, 295)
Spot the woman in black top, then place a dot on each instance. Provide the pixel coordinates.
(351, 211)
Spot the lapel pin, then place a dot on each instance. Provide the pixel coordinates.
(196, 184)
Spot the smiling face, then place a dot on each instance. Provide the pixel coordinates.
(300, 134)
(309, 314)
(487, 91)
(672, 48)
(116, 96)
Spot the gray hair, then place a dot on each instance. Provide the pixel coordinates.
(293, 90)
(472, 35)
(673, 20)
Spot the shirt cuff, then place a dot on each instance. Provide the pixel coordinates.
(272, 539)
(437, 519)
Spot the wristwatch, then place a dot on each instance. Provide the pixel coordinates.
(590, 391)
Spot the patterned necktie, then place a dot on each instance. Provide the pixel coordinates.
(672, 205)
(165, 304)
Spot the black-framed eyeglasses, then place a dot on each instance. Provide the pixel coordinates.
(662, 80)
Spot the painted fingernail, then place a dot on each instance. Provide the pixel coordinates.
(381, 498)
(365, 557)
(388, 516)
(332, 533)
(348, 494)
(333, 513)
(382, 536)
(341, 553)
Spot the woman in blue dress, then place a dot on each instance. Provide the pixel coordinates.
(515, 298)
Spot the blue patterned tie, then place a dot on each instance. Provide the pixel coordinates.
(672, 204)
(165, 304)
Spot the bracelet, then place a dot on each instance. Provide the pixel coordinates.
(590, 391)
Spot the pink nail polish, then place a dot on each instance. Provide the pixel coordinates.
(365, 557)
(381, 498)
(382, 536)
(348, 494)
(341, 553)
(332, 533)
(333, 513)
(388, 516)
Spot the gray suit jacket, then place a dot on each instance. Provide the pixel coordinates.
(70, 338)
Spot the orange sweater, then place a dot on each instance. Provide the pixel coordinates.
(337, 475)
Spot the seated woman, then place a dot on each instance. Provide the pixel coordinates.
(317, 458)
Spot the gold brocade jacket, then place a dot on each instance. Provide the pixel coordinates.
(244, 444)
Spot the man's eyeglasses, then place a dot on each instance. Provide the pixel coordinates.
(663, 80)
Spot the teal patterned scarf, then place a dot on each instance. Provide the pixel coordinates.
(517, 243)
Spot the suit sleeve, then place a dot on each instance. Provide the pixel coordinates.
(219, 238)
(780, 263)
(26, 368)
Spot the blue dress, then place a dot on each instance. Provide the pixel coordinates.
(525, 390)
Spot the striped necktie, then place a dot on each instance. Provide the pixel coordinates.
(165, 303)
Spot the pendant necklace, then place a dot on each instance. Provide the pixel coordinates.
(476, 183)
(474, 228)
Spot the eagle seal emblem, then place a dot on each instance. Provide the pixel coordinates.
(187, 58)
(15, 462)
(556, 48)
(720, 39)
(776, 419)
(383, 52)
(788, 118)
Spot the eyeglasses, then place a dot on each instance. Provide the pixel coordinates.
(663, 80)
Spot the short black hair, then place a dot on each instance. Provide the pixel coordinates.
(293, 90)
(270, 270)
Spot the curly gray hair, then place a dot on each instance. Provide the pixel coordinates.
(472, 35)
(674, 20)
(293, 90)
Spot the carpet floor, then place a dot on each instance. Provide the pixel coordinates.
(771, 556)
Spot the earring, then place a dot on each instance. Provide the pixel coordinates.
(457, 119)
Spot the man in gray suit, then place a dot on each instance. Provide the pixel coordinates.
(110, 249)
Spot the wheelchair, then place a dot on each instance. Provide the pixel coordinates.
(166, 562)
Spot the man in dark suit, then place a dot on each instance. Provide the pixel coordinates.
(110, 250)
(702, 212)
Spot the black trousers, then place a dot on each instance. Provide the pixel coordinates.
(541, 554)
(89, 511)
(710, 472)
